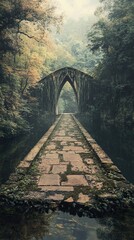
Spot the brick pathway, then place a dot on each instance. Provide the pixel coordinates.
(68, 167)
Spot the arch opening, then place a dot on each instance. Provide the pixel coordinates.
(67, 100)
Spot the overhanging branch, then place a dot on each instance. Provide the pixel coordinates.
(27, 35)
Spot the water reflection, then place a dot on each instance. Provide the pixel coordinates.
(117, 142)
(59, 226)
(14, 150)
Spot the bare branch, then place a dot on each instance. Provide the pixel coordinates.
(25, 34)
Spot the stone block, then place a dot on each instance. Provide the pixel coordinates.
(75, 180)
(59, 168)
(24, 164)
(56, 197)
(49, 180)
(71, 157)
(43, 167)
(83, 198)
(57, 188)
(49, 161)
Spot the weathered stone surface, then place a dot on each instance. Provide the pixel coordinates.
(73, 148)
(57, 188)
(35, 195)
(89, 161)
(35, 150)
(64, 163)
(59, 168)
(75, 180)
(94, 169)
(60, 133)
(64, 143)
(67, 169)
(83, 151)
(71, 157)
(51, 156)
(114, 168)
(51, 147)
(69, 200)
(92, 177)
(43, 167)
(83, 198)
(78, 166)
(49, 161)
(24, 164)
(56, 197)
(79, 143)
(98, 185)
(32, 154)
(49, 180)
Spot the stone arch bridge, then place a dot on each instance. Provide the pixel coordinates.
(47, 90)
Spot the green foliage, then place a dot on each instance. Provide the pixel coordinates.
(67, 101)
(12, 110)
(113, 37)
(72, 47)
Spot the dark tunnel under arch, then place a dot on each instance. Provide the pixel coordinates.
(65, 80)
(67, 101)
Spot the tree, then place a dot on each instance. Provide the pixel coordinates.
(113, 37)
(24, 41)
(67, 101)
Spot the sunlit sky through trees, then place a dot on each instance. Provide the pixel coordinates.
(76, 9)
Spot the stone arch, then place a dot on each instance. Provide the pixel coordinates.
(48, 89)
(60, 87)
(64, 81)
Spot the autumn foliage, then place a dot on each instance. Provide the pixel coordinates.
(26, 47)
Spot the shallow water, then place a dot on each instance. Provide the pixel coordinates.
(62, 226)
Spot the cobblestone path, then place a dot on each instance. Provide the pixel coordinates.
(67, 170)
(67, 166)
